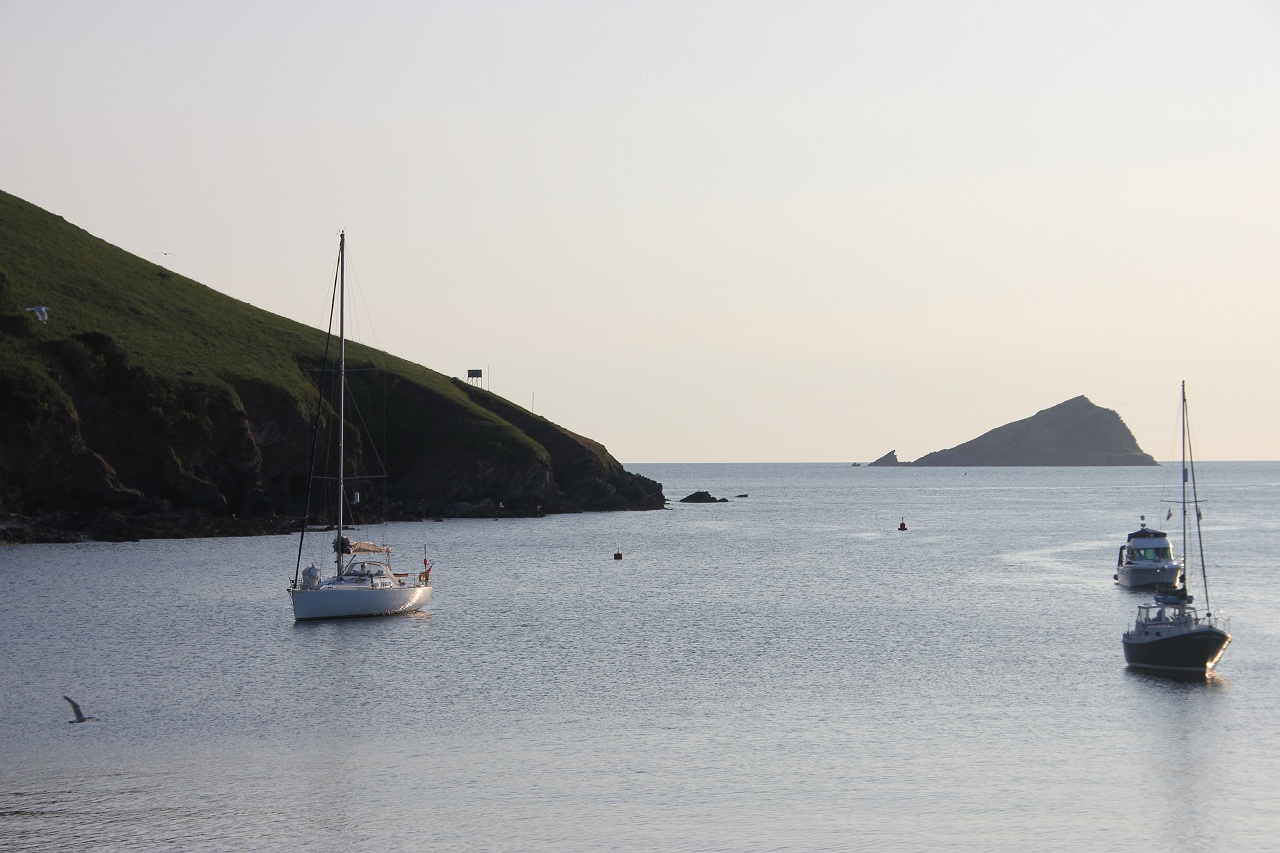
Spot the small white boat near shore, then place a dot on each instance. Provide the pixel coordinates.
(363, 583)
(364, 586)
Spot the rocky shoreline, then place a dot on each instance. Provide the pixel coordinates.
(114, 526)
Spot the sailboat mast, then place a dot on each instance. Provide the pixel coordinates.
(342, 386)
(1186, 546)
(1195, 500)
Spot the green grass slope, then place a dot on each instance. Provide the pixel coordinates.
(147, 393)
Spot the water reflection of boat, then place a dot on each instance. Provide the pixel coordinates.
(1171, 635)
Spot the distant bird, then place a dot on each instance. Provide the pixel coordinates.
(42, 313)
(164, 253)
(80, 717)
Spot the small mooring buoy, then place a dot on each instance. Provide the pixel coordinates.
(617, 555)
(902, 525)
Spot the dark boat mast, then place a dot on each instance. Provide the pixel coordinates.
(315, 428)
(1186, 552)
(1188, 458)
(340, 546)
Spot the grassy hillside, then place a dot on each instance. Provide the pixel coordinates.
(175, 391)
(169, 325)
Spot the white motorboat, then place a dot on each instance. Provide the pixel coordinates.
(1146, 559)
(1170, 635)
(363, 583)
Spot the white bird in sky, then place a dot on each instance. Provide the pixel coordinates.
(42, 313)
(80, 717)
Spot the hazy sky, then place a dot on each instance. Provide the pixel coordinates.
(707, 231)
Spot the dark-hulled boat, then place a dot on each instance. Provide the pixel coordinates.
(1170, 635)
(1175, 638)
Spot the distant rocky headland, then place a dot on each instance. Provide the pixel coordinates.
(141, 404)
(1076, 432)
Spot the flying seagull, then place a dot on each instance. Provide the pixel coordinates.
(80, 717)
(42, 313)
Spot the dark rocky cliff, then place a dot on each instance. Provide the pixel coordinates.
(1076, 432)
(149, 405)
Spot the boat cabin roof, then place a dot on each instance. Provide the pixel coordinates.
(1159, 611)
(369, 568)
(1148, 533)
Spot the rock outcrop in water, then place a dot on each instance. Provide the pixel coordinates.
(702, 498)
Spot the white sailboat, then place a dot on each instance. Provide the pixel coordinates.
(363, 583)
(1170, 635)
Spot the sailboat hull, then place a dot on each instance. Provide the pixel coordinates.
(1191, 651)
(327, 603)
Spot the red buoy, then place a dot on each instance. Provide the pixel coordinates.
(902, 525)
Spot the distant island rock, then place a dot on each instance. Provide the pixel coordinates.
(888, 460)
(1074, 433)
(702, 498)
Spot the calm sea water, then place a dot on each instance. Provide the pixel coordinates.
(783, 671)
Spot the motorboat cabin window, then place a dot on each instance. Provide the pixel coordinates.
(1151, 553)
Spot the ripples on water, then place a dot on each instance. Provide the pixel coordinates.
(786, 671)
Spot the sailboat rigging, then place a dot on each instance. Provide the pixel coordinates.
(363, 583)
(1171, 635)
